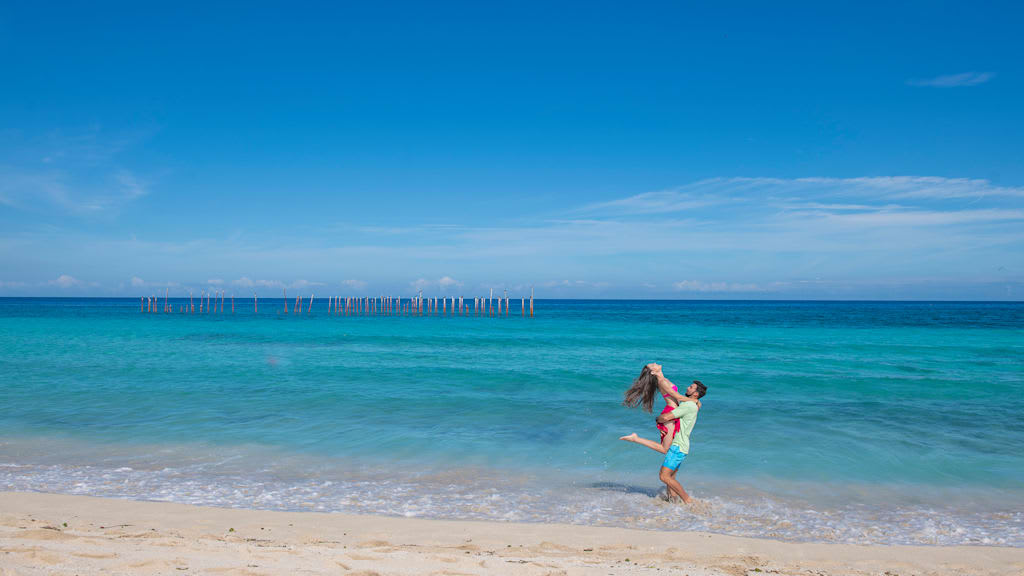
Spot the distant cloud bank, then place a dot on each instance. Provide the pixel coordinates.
(737, 237)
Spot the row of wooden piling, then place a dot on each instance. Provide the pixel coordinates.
(213, 303)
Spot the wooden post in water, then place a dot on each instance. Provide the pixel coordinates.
(531, 301)
(524, 307)
(232, 302)
(255, 304)
(191, 306)
(142, 305)
(166, 310)
(310, 309)
(506, 303)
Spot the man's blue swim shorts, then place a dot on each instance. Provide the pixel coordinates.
(673, 458)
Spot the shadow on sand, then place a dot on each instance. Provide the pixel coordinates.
(627, 489)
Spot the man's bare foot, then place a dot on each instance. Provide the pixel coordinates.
(631, 438)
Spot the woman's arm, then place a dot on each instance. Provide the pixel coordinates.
(667, 389)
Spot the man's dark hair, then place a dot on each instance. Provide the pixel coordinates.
(701, 389)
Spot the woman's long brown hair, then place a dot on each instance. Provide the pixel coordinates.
(641, 393)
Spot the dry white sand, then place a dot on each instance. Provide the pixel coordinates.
(57, 534)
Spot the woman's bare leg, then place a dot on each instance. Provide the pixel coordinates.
(666, 439)
(660, 448)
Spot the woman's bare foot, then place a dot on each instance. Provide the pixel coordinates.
(631, 438)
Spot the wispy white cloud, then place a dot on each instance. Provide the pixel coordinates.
(905, 218)
(353, 284)
(892, 187)
(137, 282)
(701, 286)
(661, 202)
(66, 281)
(78, 174)
(953, 80)
(445, 284)
(246, 282)
(131, 186)
(574, 284)
(303, 284)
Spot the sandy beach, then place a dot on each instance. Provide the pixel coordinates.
(59, 534)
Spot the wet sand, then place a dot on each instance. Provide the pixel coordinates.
(59, 534)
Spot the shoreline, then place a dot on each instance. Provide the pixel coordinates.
(144, 537)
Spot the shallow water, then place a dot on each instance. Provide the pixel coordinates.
(880, 422)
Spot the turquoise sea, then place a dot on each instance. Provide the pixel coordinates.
(824, 421)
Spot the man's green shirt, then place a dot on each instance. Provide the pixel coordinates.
(687, 415)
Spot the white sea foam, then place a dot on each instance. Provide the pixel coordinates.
(488, 495)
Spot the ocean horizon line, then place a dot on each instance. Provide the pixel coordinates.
(535, 299)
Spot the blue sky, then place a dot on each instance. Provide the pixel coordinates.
(665, 150)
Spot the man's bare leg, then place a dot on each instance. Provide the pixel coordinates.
(668, 476)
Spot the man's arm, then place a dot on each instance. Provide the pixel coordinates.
(667, 417)
(673, 415)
